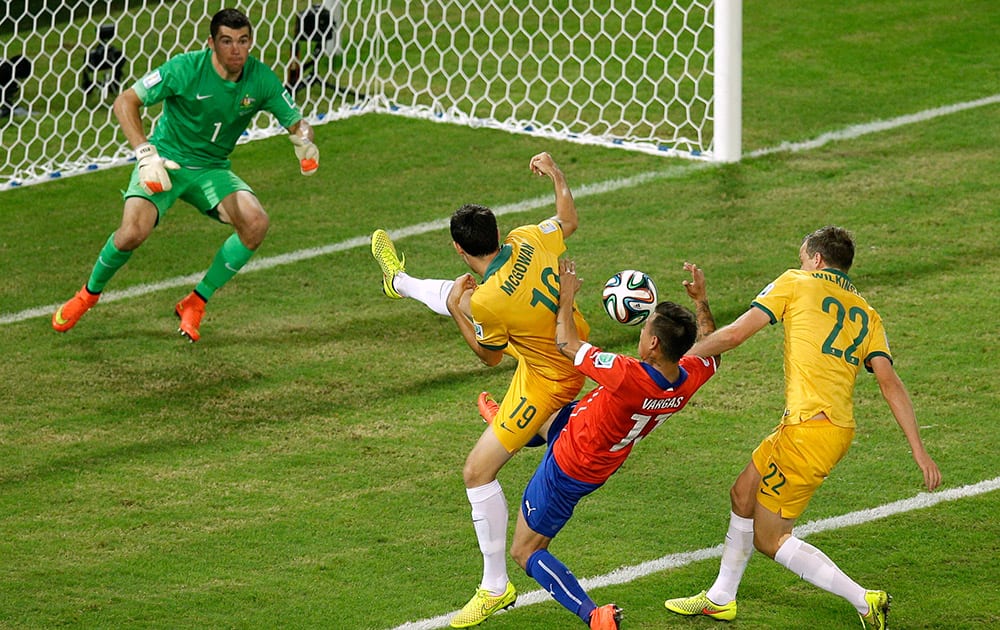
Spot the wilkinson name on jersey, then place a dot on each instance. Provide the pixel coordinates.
(657, 404)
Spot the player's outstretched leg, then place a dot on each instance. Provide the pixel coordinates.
(70, 313)
(606, 617)
(700, 604)
(391, 264)
(482, 605)
(878, 610)
(190, 310)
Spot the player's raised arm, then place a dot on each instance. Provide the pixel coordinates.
(543, 164)
(698, 292)
(567, 337)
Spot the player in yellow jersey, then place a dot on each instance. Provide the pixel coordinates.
(511, 311)
(830, 334)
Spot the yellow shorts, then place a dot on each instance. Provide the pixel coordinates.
(794, 460)
(529, 402)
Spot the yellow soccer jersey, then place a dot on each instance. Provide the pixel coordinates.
(830, 332)
(517, 301)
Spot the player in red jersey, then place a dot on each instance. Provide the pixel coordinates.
(591, 438)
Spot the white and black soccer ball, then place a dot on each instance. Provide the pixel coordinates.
(629, 297)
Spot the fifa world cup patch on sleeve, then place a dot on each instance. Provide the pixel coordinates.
(151, 79)
(604, 360)
(478, 328)
(548, 225)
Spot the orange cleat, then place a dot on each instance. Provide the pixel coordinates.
(488, 407)
(190, 310)
(70, 313)
(607, 617)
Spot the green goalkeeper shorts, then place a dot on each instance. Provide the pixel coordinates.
(203, 188)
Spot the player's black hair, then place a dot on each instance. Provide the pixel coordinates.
(474, 228)
(834, 244)
(676, 328)
(230, 18)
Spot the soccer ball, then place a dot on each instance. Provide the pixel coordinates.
(629, 297)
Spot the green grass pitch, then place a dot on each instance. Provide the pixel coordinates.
(300, 467)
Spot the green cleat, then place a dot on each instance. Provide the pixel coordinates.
(385, 255)
(482, 605)
(700, 604)
(878, 610)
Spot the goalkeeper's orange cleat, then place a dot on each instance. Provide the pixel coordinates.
(70, 313)
(488, 407)
(190, 310)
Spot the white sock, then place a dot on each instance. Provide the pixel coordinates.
(432, 293)
(735, 557)
(489, 517)
(812, 565)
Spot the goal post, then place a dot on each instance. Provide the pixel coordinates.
(728, 81)
(660, 77)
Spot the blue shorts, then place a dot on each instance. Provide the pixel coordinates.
(552, 495)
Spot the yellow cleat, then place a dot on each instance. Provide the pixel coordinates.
(700, 604)
(385, 255)
(482, 605)
(878, 610)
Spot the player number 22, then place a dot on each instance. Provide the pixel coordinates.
(857, 315)
(773, 480)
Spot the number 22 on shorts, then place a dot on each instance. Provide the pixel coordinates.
(772, 481)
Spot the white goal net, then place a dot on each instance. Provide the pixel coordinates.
(636, 74)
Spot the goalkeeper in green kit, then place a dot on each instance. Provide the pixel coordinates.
(209, 98)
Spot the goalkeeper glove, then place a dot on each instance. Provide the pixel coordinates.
(153, 169)
(307, 152)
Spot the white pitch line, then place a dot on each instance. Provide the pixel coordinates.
(580, 192)
(625, 575)
(856, 131)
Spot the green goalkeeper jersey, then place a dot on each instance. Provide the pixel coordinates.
(203, 114)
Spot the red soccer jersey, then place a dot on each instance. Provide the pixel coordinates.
(632, 399)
